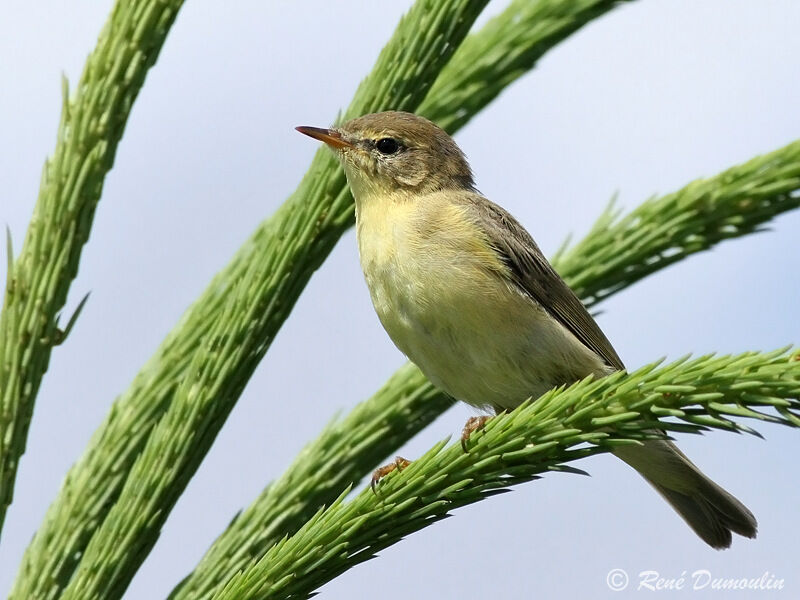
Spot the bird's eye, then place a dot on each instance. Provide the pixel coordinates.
(387, 145)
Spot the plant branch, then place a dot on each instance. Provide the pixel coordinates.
(564, 425)
(339, 457)
(621, 250)
(92, 123)
(506, 48)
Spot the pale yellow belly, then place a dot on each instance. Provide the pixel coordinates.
(474, 336)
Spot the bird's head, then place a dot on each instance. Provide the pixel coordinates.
(393, 153)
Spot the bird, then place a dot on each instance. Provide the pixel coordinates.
(465, 293)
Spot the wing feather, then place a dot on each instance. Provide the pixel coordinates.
(534, 276)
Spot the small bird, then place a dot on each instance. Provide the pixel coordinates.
(465, 293)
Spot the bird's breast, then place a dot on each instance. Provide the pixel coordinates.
(423, 266)
(444, 297)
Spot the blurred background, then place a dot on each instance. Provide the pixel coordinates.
(640, 102)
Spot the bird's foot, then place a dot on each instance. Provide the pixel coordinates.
(472, 425)
(399, 464)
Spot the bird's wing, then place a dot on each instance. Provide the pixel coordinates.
(534, 276)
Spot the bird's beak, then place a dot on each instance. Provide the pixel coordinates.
(330, 136)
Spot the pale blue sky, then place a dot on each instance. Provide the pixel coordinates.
(644, 100)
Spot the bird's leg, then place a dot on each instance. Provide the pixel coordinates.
(472, 425)
(399, 464)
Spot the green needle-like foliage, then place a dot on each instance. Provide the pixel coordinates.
(288, 248)
(619, 251)
(733, 203)
(506, 48)
(92, 123)
(564, 425)
(343, 453)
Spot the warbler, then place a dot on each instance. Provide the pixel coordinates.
(465, 293)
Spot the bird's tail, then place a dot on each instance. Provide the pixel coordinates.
(709, 510)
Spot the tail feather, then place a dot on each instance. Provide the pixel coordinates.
(708, 509)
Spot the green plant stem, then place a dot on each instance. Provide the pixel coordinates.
(506, 48)
(289, 246)
(92, 123)
(620, 250)
(733, 203)
(564, 425)
(334, 461)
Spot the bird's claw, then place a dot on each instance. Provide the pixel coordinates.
(472, 425)
(399, 464)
